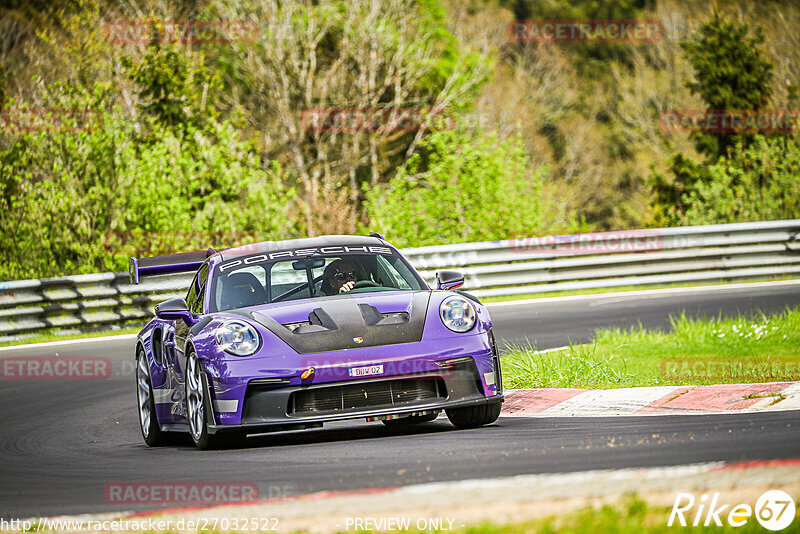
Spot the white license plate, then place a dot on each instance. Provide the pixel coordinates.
(365, 371)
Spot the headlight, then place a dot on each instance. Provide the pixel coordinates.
(238, 338)
(457, 314)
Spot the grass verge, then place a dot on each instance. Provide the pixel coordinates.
(744, 349)
(630, 516)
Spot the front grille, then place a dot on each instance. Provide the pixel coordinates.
(385, 393)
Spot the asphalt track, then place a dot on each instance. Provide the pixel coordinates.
(63, 442)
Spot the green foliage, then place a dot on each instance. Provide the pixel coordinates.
(56, 184)
(173, 90)
(82, 58)
(756, 183)
(193, 190)
(449, 54)
(731, 71)
(377, 57)
(669, 193)
(36, 5)
(460, 189)
(731, 74)
(168, 170)
(74, 201)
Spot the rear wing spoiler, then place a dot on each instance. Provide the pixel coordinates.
(183, 262)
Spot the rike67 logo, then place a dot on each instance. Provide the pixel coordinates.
(774, 510)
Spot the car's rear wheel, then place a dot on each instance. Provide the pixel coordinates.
(411, 420)
(196, 392)
(473, 416)
(148, 421)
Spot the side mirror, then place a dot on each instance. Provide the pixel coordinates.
(449, 279)
(174, 309)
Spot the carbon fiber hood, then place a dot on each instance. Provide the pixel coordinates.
(347, 322)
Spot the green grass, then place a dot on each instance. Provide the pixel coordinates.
(743, 349)
(53, 336)
(600, 290)
(630, 516)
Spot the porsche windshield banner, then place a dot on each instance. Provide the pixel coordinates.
(304, 253)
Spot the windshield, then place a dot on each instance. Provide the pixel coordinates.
(266, 278)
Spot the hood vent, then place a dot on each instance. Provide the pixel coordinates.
(337, 323)
(372, 317)
(318, 321)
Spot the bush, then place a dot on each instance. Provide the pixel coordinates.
(200, 190)
(58, 194)
(83, 201)
(460, 189)
(732, 73)
(755, 183)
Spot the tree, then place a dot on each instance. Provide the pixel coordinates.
(731, 74)
(174, 88)
(755, 182)
(462, 187)
(364, 56)
(80, 199)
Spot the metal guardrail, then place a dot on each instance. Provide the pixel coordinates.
(610, 259)
(493, 268)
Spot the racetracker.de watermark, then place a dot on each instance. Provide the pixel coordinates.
(159, 493)
(322, 369)
(184, 32)
(730, 121)
(586, 31)
(142, 524)
(591, 243)
(55, 368)
(728, 369)
(49, 120)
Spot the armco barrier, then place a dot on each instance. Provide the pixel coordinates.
(513, 266)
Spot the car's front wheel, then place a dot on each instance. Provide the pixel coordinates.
(196, 391)
(148, 421)
(473, 416)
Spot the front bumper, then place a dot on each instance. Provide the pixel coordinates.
(256, 428)
(263, 393)
(273, 408)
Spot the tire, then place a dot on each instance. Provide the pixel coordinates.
(474, 416)
(148, 420)
(412, 420)
(196, 388)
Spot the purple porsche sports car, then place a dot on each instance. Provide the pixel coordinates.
(286, 335)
